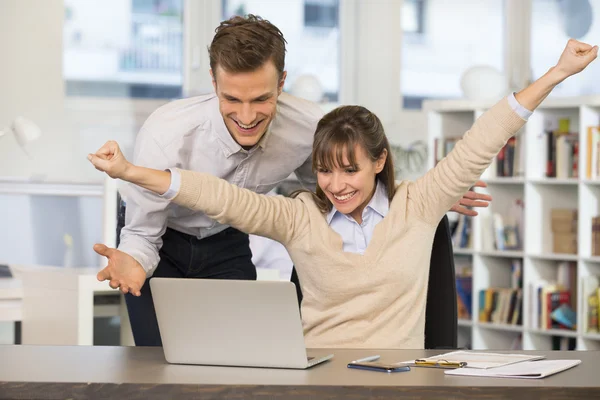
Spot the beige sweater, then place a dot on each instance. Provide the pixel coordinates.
(375, 300)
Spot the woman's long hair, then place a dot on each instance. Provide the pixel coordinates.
(337, 135)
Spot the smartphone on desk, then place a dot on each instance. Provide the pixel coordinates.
(380, 367)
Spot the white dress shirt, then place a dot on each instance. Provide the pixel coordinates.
(356, 237)
(191, 134)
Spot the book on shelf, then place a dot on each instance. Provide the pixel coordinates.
(516, 276)
(504, 305)
(460, 232)
(443, 146)
(464, 287)
(593, 149)
(596, 236)
(508, 229)
(509, 161)
(554, 303)
(593, 300)
(591, 304)
(501, 305)
(562, 155)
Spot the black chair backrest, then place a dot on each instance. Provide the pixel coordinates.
(441, 310)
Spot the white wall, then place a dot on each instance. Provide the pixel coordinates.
(377, 70)
(31, 85)
(377, 54)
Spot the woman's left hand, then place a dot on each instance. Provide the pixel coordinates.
(575, 57)
(111, 160)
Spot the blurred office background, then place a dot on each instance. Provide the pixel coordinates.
(87, 71)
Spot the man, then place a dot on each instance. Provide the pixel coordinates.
(249, 133)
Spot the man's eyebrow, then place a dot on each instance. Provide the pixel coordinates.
(262, 97)
(229, 97)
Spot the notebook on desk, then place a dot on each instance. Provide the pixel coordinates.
(523, 370)
(231, 323)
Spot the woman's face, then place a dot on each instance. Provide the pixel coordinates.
(348, 187)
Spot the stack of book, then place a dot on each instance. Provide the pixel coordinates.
(564, 230)
(503, 305)
(508, 162)
(562, 156)
(553, 303)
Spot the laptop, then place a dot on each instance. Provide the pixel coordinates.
(231, 323)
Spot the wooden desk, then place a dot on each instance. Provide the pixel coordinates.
(90, 372)
(11, 299)
(11, 307)
(58, 305)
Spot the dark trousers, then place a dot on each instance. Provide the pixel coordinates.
(225, 255)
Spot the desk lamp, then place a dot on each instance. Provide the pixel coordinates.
(25, 132)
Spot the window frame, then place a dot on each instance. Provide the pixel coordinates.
(207, 15)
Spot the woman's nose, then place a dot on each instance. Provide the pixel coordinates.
(337, 183)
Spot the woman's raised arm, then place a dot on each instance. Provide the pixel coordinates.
(442, 186)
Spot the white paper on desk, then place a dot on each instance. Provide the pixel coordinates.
(523, 370)
(483, 360)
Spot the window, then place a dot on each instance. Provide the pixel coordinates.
(553, 22)
(321, 13)
(413, 16)
(432, 65)
(311, 30)
(123, 48)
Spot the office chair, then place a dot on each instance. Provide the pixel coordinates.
(441, 310)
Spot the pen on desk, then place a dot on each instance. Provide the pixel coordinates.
(440, 363)
(367, 359)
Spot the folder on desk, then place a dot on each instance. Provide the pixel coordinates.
(522, 370)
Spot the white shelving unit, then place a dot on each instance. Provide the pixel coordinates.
(492, 268)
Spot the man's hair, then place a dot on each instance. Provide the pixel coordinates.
(244, 44)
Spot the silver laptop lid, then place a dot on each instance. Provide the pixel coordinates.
(229, 322)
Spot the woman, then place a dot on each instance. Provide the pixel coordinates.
(375, 299)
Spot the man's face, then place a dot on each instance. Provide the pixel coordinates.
(247, 101)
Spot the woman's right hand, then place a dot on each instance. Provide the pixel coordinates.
(111, 160)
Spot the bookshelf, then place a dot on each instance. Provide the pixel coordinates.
(528, 198)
